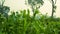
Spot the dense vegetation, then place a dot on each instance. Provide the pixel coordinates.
(24, 23)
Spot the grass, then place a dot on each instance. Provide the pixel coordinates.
(23, 23)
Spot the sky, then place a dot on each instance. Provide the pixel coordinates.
(20, 4)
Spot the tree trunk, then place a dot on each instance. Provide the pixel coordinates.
(52, 8)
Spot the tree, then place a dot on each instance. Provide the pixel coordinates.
(53, 2)
(35, 4)
(4, 9)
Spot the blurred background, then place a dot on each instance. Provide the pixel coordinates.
(16, 5)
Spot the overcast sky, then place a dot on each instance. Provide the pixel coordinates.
(20, 4)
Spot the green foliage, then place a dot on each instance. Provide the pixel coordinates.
(23, 23)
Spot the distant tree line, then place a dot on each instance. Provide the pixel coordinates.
(37, 3)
